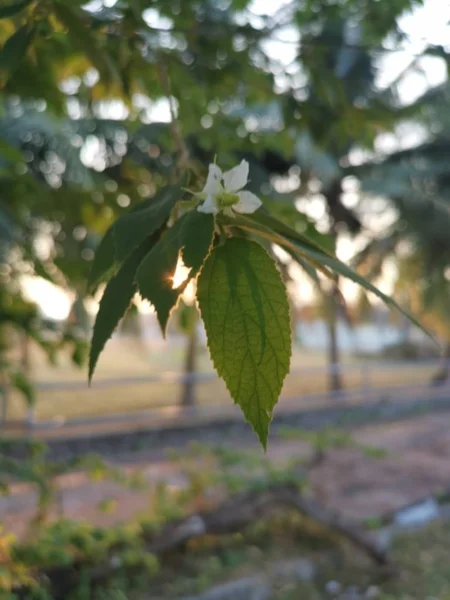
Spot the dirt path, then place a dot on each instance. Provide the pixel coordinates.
(418, 462)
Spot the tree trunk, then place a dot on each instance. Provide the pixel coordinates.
(334, 374)
(4, 396)
(444, 372)
(25, 361)
(338, 214)
(190, 367)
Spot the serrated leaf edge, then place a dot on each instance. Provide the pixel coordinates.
(269, 413)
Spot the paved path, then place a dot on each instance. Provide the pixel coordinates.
(418, 463)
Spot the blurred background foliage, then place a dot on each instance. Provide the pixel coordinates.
(99, 101)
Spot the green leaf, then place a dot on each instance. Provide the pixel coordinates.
(245, 310)
(115, 302)
(21, 383)
(81, 35)
(191, 238)
(13, 8)
(270, 228)
(342, 269)
(301, 248)
(9, 152)
(14, 50)
(310, 233)
(104, 263)
(129, 231)
(263, 219)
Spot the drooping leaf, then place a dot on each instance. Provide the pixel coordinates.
(300, 247)
(129, 231)
(342, 269)
(245, 310)
(115, 302)
(316, 240)
(14, 50)
(190, 238)
(267, 228)
(13, 8)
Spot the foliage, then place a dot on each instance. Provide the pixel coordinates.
(244, 306)
(35, 469)
(211, 472)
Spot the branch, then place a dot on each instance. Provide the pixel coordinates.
(231, 516)
(240, 510)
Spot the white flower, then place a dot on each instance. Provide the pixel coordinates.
(223, 191)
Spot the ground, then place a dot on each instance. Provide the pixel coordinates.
(353, 483)
(359, 486)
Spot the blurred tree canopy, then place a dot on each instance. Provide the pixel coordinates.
(101, 102)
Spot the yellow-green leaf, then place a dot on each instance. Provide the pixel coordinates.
(245, 310)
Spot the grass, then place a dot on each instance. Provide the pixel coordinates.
(422, 569)
(127, 358)
(422, 566)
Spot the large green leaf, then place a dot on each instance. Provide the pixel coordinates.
(191, 238)
(245, 309)
(129, 231)
(13, 8)
(14, 50)
(115, 302)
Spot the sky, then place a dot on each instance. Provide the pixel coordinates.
(429, 24)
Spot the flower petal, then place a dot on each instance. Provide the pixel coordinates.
(208, 206)
(248, 203)
(213, 185)
(236, 178)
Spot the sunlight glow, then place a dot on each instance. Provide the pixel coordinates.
(179, 277)
(181, 274)
(53, 301)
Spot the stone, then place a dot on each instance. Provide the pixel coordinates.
(384, 537)
(333, 587)
(297, 569)
(373, 592)
(418, 514)
(250, 588)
